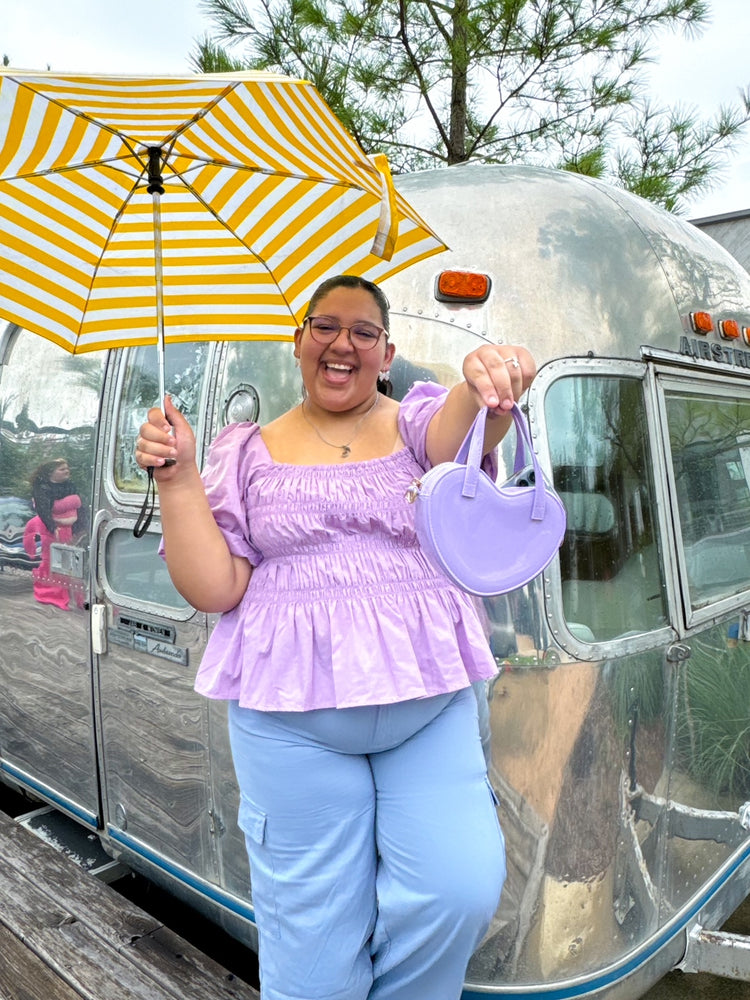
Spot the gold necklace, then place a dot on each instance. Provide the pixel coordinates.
(344, 448)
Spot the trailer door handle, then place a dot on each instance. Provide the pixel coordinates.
(99, 629)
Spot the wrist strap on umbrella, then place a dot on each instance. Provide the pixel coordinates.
(149, 503)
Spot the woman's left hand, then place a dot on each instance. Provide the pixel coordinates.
(499, 374)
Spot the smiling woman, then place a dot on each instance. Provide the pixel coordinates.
(347, 659)
(342, 351)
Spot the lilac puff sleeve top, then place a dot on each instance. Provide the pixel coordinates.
(343, 607)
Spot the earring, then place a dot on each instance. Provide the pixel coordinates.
(296, 363)
(384, 383)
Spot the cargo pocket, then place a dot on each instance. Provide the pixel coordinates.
(493, 793)
(253, 822)
(495, 806)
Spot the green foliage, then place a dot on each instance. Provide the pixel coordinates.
(432, 83)
(590, 162)
(208, 57)
(636, 686)
(714, 726)
(672, 153)
(713, 693)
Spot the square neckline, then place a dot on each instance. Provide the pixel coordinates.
(327, 465)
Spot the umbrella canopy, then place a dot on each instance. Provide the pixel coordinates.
(136, 210)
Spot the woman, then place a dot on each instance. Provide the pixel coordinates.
(50, 482)
(58, 519)
(347, 660)
(49, 587)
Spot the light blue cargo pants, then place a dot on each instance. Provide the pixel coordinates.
(376, 856)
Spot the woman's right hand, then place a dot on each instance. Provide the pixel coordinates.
(165, 435)
(199, 561)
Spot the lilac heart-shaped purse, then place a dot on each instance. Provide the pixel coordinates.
(488, 539)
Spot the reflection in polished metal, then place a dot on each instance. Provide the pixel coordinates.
(616, 747)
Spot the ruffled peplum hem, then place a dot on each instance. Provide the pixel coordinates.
(341, 652)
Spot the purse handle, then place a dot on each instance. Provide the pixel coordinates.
(470, 454)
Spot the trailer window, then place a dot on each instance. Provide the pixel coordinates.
(134, 570)
(185, 367)
(259, 381)
(709, 438)
(609, 561)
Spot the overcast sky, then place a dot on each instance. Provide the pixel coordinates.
(149, 36)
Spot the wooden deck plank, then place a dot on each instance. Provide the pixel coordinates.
(116, 919)
(24, 976)
(183, 969)
(95, 942)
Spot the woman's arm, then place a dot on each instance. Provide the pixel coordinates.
(200, 563)
(490, 379)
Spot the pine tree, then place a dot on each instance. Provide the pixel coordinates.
(437, 82)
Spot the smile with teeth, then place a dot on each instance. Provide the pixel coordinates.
(332, 365)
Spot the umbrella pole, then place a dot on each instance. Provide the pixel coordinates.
(156, 190)
(159, 281)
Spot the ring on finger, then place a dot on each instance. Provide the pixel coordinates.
(512, 361)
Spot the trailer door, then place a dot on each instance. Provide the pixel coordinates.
(153, 727)
(49, 419)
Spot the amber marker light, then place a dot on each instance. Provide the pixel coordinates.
(467, 287)
(729, 329)
(701, 322)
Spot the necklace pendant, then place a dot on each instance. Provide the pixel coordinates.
(344, 448)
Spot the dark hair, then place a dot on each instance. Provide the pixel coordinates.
(44, 492)
(352, 281)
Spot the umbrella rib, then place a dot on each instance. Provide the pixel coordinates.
(210, 161)
(167, 141)
(189, 122)
(73, 167)
(74, 111)
(204, 161)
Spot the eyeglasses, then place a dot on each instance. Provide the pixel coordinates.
(363, 336)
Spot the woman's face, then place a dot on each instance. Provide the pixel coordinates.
(60, 473)
(339, 376)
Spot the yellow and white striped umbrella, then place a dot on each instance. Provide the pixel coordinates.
(258, 191)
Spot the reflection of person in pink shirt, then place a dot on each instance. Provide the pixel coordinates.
(49, 482)
(48, 587)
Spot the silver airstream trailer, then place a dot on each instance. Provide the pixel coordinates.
(619, 722)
